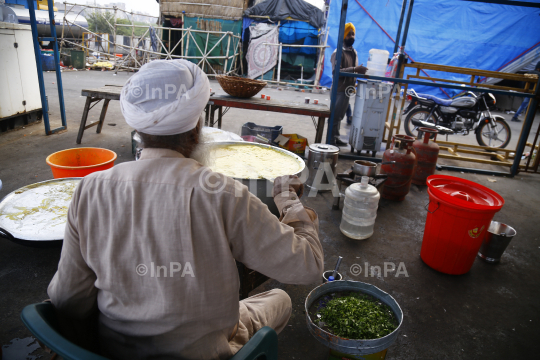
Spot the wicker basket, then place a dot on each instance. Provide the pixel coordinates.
(240, 87)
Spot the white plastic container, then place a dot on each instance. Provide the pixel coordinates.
(377, 61)
(376, 69)
(379, 56)
(359, 210)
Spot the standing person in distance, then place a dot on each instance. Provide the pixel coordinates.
(349, 63)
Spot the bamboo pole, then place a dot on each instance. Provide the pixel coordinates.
(181, 42)
(194, 31)
(114, 34)
(207, 53)
(319, 62)
(187, 42)
(153, 52)
(227, 53)
(205, 49)
(279, 63)
(182, 38)
(132, 52)
(110, 8)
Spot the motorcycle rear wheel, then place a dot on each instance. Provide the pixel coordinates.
(484, 132)
(417, 114)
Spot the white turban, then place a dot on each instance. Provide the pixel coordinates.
(166, 97)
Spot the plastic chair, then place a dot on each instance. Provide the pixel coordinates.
(40, 319)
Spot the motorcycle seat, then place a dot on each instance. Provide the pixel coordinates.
(436, 99)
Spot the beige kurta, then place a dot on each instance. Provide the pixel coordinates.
(156, 215)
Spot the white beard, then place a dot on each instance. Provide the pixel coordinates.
(203, 150)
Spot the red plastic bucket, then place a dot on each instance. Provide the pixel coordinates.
(459, 214)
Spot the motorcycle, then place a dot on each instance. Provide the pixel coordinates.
(464, 114)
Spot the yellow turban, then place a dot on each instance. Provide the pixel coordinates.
(348, 28)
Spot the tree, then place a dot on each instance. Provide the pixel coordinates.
(98, 22)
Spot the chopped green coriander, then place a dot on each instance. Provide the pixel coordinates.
(358, 316)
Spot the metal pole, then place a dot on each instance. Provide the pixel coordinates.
(403, 7)
(37, 53)
(402, 58)
(279, 64)
(337, 69)
(533, 107)
(57, 66)
(406, 30)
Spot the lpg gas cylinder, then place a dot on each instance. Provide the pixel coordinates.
(400, 173)
(427, 153)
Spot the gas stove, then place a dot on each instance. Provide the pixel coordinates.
(348, 178)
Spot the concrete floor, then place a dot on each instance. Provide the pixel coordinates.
(491, 312)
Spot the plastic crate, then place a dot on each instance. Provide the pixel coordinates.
(269, 132)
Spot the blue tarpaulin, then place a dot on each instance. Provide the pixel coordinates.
(291, 32)
(300, 33)
(452, 32)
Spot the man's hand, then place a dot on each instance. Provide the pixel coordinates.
(288, 183)
(360, 69)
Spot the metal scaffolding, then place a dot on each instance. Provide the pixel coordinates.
(140, 52)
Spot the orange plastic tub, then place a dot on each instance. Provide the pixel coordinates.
(79, 162)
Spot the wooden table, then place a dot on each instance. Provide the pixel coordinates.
(217, 102)
(107, 93)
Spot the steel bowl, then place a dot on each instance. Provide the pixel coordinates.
(365, 168)
(262, 188)
(352, 346)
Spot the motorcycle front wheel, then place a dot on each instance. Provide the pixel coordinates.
(497, 137)
(417, 114)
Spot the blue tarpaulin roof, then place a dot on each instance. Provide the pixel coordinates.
(300, 33)
(451, 32)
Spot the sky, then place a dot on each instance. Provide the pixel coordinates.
(147, 6)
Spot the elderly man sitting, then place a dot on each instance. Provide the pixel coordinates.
(155, 252)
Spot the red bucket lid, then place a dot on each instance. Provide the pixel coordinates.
(464, 193)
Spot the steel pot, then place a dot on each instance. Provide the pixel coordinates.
(262, 188)
(367, 168)
(39, 227)
(320, 159)
(364, 168)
